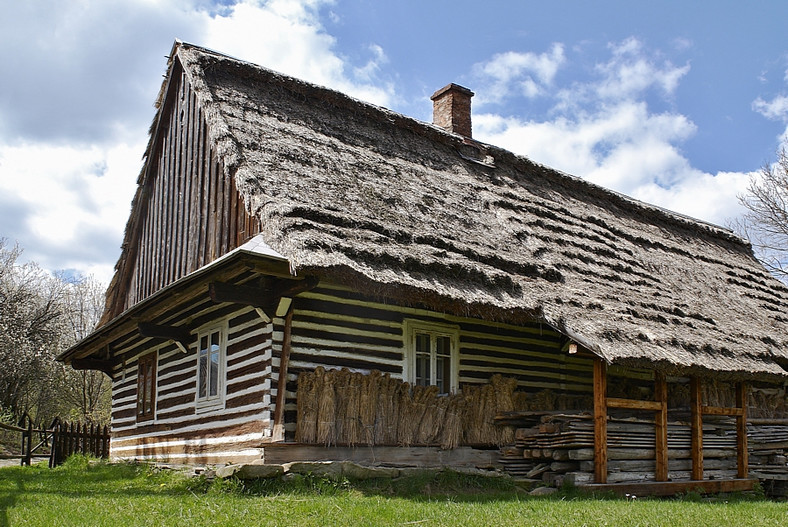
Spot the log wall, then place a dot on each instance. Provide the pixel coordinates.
(180, 431)
(335, 327)
(191, 212)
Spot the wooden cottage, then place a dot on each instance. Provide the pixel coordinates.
(284, 230)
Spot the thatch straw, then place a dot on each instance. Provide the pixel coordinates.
(340, 407)
(368, 405)
(326, 433)
(351, 417)
(425, 421)
(306, 402)
(451, 433)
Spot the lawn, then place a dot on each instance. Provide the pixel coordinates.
(82, 493)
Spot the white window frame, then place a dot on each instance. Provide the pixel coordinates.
(434, 329)
(210, 402)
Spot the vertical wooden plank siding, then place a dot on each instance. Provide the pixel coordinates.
(696, 427)
(193, 211)
(661, 426)
(600, 421)
(742, 462)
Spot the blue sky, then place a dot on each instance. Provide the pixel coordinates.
(674, 103)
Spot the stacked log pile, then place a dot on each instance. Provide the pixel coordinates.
(559, 447)
(768, 447)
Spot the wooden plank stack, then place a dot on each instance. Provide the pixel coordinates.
(559, 447)
(768, 448)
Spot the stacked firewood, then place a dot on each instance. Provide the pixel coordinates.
(558, 448)
(768, 445)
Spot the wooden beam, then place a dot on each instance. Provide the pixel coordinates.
(669, 488)
(177, 333)
(239, 294)
(294, 287)
(600, 421)
(281, 385)
(266, 295)
(742, 461)
(661, 426)
(103, 366)
(717, 410)
(634, 404)
(696, 428)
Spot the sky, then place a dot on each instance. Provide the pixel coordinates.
(675, 103)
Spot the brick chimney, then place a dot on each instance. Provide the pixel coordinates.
(451, 109)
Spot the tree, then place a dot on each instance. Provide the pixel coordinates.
(87, 391)
(40, 316)
(765, 223)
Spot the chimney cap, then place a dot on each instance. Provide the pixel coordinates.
(452, 87)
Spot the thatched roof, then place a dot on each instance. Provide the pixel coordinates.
(355, 192)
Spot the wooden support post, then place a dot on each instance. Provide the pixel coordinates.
(661, 426)
(696, 429)
(29, 437)
(600, 421)
(742, 461)
(281, 385)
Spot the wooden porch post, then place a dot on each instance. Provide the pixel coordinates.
(600, 421)
(742, 461)
(661, 425)
(696, 401)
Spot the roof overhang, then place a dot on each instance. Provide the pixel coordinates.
(254, 255)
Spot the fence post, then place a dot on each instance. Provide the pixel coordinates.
(55, 435)
(27, 435)
(71, 443)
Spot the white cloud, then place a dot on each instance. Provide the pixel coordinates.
(71, 202)
(288, 36)
(630, 72)
(625, 149)
(604, 131)
(75, 109)
(514, 72)
(776, 109)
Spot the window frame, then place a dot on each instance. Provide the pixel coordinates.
(148, 359)
(434, 329)
(209, 402)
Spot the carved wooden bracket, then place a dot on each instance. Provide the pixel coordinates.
(104, 366)
(179, 335)
(270, 296)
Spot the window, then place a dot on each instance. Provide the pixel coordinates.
(146, 387)
(210, 366)
(432, 357)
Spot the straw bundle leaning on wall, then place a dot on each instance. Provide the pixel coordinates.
(341, 407)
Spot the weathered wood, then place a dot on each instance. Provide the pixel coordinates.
(181, 335)
(587, 454)
(742, 462)
(668, 488)
(716, 410)
(661, 426)
(696, 427)
(633, 404)
(600, 421)
(284, 359)
(103, 366)
(389, 455)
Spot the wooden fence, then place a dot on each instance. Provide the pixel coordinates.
(63, 438)
(76, 438)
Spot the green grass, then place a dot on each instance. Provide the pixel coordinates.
(90, 493)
